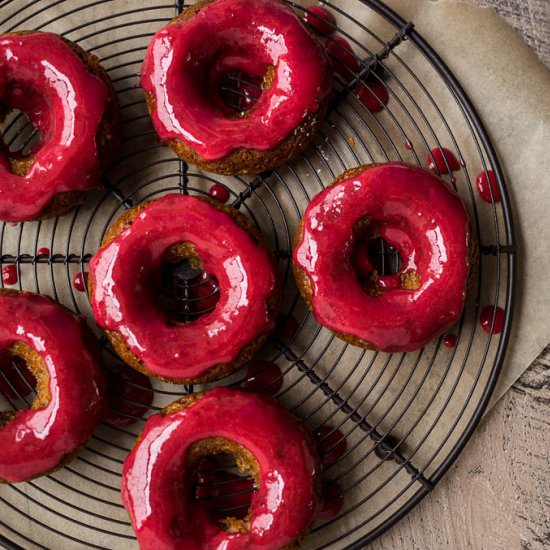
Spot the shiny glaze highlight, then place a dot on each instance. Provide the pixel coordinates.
(36, 441)
(43, 77)
(418, 215)
(125, 277)
(156, 478)
(181, 68)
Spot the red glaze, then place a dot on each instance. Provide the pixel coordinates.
(374, 96)
(78, 281)
(133, 261)
(320, 19)
(428, 225)
(409, 145)
(36, 441)
(129, 395)
(331, 444)
(333, 500)
(490, 314)
(219, 192)
(15, 378)
(43, 252)
(253, 35)
(344, 61)
(450, 340)
(156, 479)
(9, 274)
(263, 376)
(43, 77)
(442, 160)
(486, 184)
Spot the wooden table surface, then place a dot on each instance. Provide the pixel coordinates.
(497, 495)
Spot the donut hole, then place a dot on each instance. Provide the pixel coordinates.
(372, 257)
(21, 139)
(24, 380)
(238, 92)
(222, 482)
(186, 291)
(384, 257)
(227, 79)
(224, 493)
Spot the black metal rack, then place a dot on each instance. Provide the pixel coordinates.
(406, 417)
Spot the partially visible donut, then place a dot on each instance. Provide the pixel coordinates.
(264, 39)
(266, 442)
(416, 213)
(70, 100)
(57, 349)
(126, 273)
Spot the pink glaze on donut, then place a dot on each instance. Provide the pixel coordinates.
(156, 482)
(181, 68)
(41, 76)
(124, 272)
(36, 441)
(428, 225)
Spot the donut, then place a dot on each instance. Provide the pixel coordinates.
(216, 239)
(415, 212)
(70, 100)
(274, 449)
(59, 352)
(184, 74)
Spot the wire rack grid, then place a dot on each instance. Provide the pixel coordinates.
(404, 417)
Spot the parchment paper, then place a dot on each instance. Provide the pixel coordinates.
(510, 89)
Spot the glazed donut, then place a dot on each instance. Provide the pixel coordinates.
(58, 351)
(216, 239)
(416, 213)
(70, 100)
(183, 73)
(273, 448)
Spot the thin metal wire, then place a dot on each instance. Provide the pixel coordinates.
(371, 403)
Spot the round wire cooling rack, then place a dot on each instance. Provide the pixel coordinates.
(404, 417)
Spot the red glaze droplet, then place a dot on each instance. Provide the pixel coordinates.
(450, 340)
(487, 184)
(129, 395)
(15, 379)
(486, 319)
(374, 96)
(453, 180)
(333, 500)
(263, 376)
(443, 160)
(9, 274)
(409, 145)
(332, 444)
(320, 19)
(43, 252)
(78, 281)
(219, 192)
(287, 326)
(343, 60)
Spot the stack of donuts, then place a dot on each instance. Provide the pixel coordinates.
(71, 102)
